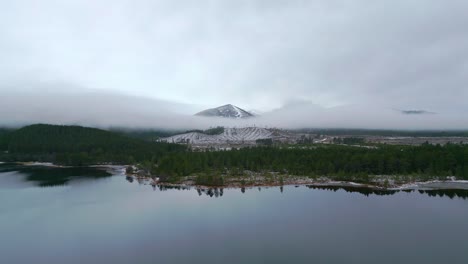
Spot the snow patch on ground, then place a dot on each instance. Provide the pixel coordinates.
(230, 135)
(34, 163)
(239, 113)
(345, 183)
(435, 184)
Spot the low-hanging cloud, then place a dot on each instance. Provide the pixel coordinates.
(417, 112)
(103, 109)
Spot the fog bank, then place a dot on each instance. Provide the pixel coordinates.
(104, 109)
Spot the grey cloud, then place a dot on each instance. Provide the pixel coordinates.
(252, 53)
(416, 112)
(21, 106)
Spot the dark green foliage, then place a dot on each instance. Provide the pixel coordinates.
(264, 142)
(146, 134)
(210, 179)
(214, 131)
(339, 162)
(349, 140)
(4, 136)
(5, 130)
(211, 131)
(75, 145)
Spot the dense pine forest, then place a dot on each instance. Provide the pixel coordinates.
(75, 145)
(337, 162)
(5, 131)
(146, 134)
(80, 146)
(153, 135)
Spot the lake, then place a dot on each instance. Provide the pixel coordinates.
(70, 215)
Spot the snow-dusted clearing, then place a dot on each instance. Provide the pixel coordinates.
(436, 184)
(230, 135)
(34, 163)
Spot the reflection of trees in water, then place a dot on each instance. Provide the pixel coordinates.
(219, 192)
(166, 187)
(451, 193)
(361, 190)
(446, 192)
(43, 176)
(216, 192)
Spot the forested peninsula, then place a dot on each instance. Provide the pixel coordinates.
(380, 165)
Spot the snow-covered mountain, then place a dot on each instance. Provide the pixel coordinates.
(229, 111)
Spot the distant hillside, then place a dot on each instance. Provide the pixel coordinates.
(228, 111)
(385, 133)
(4, 131)
(146, 134)
(75, 145)
(229, 135)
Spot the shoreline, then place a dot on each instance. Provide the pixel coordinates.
(417, 185)
(260, 181)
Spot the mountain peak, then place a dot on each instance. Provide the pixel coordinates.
(228, 111)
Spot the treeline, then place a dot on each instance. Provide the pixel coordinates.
(154, 135)
(338, 162)
(146, 134)
(5, 131)
(75, 145)
(386, 133)
(211, 131)
(349, 141)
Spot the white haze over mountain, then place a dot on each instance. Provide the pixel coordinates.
(104, 109)
(154, 63)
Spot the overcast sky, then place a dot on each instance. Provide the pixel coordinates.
(400, 55)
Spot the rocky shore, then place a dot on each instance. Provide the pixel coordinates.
(251, 179)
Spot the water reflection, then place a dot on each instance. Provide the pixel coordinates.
(450, 193)
(362, 190)
(43, 176)
(113, 221)
(218, 192)
(211, 192)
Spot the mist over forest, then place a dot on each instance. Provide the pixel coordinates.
(106, 110)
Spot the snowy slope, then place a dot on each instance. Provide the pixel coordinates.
(230, 135)
(229, 111)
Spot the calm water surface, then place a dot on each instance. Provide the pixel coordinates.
(90, 216)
